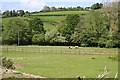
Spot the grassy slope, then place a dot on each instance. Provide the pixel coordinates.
(48, 26)
(63, 65)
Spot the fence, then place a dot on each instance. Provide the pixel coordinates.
(60, 50)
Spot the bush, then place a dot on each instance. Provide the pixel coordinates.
(38, 38)
(84, 45)
(7, 63)
(109, 44)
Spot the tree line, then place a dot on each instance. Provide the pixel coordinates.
(78, 8)
(14, 13)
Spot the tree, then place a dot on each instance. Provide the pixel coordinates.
(91, 30)
(97, 27)
(38, 38)
(17, 32)
(68, 29)
(27, 13)
(21, 12)
(46, 9)
(110, 11)
(52, 8)
(6, 13)
(97, 6)
(54, 36)
(11, 13)
(79, 8)
(14, 13)
(36, 25)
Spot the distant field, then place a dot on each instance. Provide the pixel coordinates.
(6, 20)
(47, 26)
(62, 65)
(61, 13)
(53, 18)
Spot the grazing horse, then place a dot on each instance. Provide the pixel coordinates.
(76, 47)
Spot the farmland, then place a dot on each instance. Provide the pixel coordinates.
(54, 65)
(28, 38)
(61, 13)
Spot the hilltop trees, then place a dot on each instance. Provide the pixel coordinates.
(97, 6)
(53, 8)
(77, 8)
(46, 9)
(14, 13)
(7, 13)
(21, 12)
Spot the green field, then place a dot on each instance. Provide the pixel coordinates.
(53, 18)
(47, 25)
(62, 65)
(61, 13)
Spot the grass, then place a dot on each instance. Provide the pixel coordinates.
(49, 26)
(62, 65)
(65, 47)
(46, 20)
(6, 20)
(61, 13)
(53, 18)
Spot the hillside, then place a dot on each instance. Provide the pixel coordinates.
(50, 22)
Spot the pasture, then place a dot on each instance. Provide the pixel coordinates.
(50, 22)
(56, 65)
(61, 13)
(47, 26)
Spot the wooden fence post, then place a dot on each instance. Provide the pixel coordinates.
(7, 49)
(22, 49)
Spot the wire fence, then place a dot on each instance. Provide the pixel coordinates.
(78, 51)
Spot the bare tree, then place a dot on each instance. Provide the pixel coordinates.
(110, 10)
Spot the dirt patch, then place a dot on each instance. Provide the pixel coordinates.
(18, 66)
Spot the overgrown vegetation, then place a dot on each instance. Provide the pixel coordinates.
(7, 63)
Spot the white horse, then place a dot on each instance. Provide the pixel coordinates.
(76, 47)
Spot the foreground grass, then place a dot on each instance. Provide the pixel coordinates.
(62, 65)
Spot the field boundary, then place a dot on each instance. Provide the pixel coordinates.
(60, 51)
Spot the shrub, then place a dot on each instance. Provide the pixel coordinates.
(38, 38)
(7, 63)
